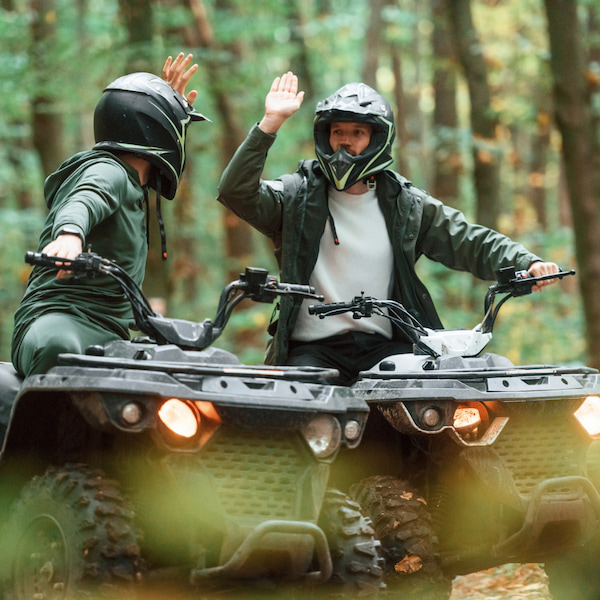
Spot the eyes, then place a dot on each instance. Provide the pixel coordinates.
(357, 132)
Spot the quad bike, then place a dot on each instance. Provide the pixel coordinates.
(469, 461)
(162, 458)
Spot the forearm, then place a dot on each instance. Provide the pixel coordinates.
(242, 190)
(458, 244)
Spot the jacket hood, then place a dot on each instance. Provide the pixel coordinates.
(75, 164)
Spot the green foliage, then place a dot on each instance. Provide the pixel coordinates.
(254, 43)
(19, 230)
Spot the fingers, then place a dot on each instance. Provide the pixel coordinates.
(65, 246)
(539, 269)
(177, 73)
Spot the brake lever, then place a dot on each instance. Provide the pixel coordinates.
(520, 283)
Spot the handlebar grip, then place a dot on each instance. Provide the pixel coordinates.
(43, 260)
(317, 309)
(296, 288)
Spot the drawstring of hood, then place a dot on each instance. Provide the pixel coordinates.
(336, 239)
(371, 185)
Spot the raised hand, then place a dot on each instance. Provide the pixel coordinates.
(175, 74)
(282, 101)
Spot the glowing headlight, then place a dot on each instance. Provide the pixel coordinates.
(588, 414)
(323, 435)
(466, 419)
(179, 418)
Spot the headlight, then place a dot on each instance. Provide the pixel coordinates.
(588, 414)
(323, 435)
(352, 430)
(468, 418)
(131, 413)
(179, 417)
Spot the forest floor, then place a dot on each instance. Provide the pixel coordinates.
(508, 582)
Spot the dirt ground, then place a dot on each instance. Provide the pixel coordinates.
(508, 582)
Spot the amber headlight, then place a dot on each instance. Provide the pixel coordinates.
(468, 418)
(323, 435)
(179, 417)
(588, 414)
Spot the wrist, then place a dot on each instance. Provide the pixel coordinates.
(70, 230)
(271, 124)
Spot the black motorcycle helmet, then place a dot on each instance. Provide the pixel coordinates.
(142, 114)
(354, 103)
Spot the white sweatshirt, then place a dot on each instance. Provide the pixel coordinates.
(362, 262)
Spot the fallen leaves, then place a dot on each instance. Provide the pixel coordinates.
(411, 563)
(508, 582)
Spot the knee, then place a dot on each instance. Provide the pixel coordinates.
(42, 345)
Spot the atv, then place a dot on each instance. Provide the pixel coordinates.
(469, 461)
(165, 459)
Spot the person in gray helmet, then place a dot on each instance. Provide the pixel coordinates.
(97, 198)
(346, 223)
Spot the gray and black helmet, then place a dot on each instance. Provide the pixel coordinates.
(142, 114)
(354, 103)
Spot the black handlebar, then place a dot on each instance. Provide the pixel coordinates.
(255, 284)
(510, 282)
(520, 283)
(361, 305)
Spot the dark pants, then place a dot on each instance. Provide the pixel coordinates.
(349, 353)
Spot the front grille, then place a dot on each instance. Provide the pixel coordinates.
(256, 475)
(536, 449)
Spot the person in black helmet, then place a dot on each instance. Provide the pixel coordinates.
(97, 198)
(346, 223)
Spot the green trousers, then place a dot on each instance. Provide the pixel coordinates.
(53, 334)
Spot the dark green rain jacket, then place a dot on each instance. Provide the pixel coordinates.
(101, 197)
(292, 211)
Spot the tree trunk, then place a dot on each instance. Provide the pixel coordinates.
(402, 135)
(47, 122)
(537, 167)
(448, 163)
(486, 154)
(581, 156)
(138, 17)
(238, 234)
(373, 43)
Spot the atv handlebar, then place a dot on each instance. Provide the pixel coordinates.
(255, 284)
(514, 284)
(520, 283)
(510, 282)
(361, 306)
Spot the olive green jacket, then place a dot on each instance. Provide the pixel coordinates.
(292, 210)
(99, 196)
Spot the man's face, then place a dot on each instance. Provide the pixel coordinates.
(353, 137)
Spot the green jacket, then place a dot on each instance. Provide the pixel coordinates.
(101, 197)
(292, 210)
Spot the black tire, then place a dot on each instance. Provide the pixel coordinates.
(355, 554)
(71, 536)
(402, 523)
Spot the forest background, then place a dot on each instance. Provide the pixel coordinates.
(497, 106)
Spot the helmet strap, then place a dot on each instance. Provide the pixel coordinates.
(147, 205)
(161, 224)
